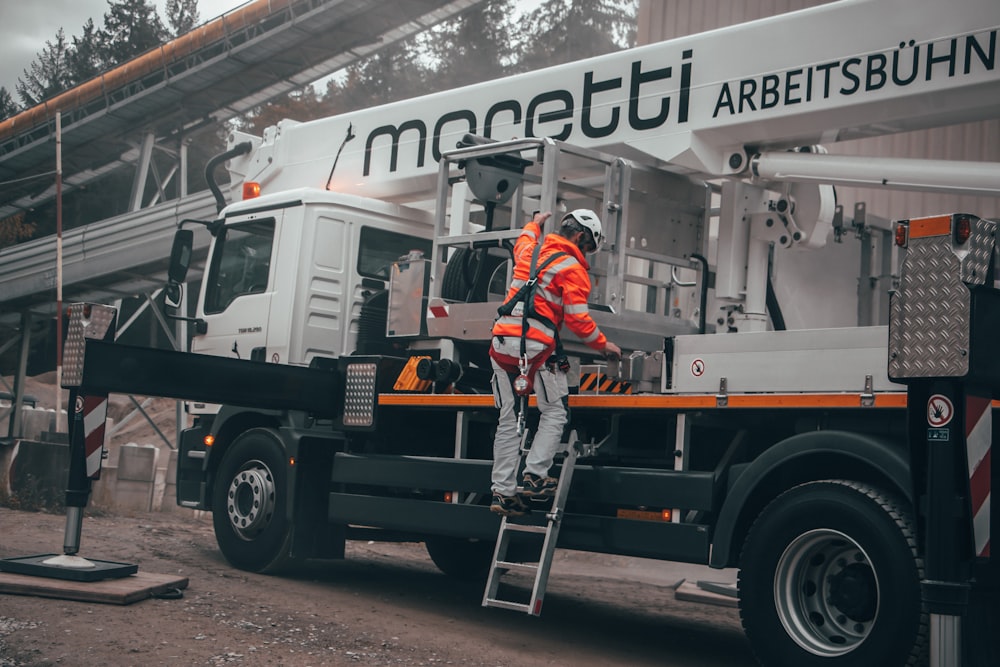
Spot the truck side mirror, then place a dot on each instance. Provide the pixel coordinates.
(180, 256)
(180, 260)
(172, 295)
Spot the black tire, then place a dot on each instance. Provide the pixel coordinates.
(463, 559)
(829, 576)
(249, 503)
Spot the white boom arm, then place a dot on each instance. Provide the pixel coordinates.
(951, 176)
(840, 71)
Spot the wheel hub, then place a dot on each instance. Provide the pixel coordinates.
(851, 592)
(250, 499)
(826, 592)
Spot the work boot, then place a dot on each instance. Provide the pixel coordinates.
(508, 505)
(538, 487)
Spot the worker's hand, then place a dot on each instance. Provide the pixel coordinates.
(540, 218)
(612, 351)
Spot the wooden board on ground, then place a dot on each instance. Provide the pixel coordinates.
(124, 590)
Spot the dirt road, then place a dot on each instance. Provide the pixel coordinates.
(386, 604)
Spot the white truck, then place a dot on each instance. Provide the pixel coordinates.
(338, 372)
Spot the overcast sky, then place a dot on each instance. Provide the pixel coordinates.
(25, 26)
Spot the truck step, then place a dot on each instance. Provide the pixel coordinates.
(526, 528)
(506, 604)
(511, 565)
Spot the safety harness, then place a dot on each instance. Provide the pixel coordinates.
(525, 298)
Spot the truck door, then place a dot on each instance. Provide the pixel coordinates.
(238, 292)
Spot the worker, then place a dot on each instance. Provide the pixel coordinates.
(559, 297)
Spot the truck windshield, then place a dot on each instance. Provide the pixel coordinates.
(240, 265)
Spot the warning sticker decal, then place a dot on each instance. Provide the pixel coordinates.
(939, 410)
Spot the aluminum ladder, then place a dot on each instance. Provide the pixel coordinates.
(510, 526)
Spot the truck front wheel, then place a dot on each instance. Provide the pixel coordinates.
(249, 503)
(829, 576)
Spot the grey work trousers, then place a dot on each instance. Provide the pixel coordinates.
(551, 392)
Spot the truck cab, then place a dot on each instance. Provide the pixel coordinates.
(289, 274)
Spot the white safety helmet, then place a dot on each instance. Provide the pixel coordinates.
(588, 220)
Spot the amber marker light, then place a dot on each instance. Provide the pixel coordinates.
(666, 515)
(251, 190)
(209, 440)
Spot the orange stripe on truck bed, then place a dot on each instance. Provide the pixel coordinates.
(650, 401)
(938, 225)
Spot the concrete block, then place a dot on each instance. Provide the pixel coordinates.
(169, 501)
(136, 477)
(102, 492)
(36, 420)
(137, 462)
(7, 454)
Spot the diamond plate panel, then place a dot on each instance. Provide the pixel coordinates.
(86, 320)
(976, 258)
(930, 314)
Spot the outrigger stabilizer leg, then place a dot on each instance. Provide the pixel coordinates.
(86, 448)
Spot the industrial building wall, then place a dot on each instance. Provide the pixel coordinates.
(659, 20)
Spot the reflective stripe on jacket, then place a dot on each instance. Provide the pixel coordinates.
(561, 293)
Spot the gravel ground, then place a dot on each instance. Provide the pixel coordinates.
(385, 604)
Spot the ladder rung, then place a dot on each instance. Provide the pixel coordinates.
(504, 604)
(526, 528)
(517, 566)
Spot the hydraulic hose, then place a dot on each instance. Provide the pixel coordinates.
(241, 148)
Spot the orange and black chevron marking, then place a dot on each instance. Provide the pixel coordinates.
(600, 383)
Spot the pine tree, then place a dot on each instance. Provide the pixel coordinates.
(131, 27)
(478, 45)
(85, 59)
(569, 30)
(182, 15)
(48, 75)
(8, 107)
(397, 72)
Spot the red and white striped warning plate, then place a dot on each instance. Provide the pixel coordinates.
(95, 413)
(978, 438)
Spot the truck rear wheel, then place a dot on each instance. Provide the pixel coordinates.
(249, 503)
(829, 576)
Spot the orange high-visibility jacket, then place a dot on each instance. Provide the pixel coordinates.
(561, 293)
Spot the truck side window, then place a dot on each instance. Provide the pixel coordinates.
(380, 248)
(240, 265)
